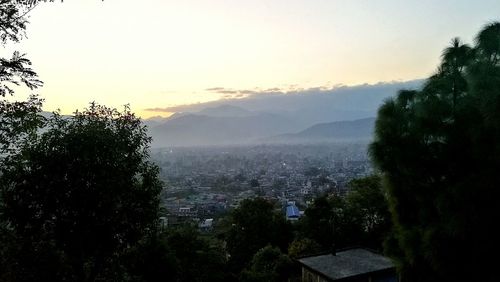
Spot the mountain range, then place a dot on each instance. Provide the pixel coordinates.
(310, 116)
(355, 130)
(202, 129)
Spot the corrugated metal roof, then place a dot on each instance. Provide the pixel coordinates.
(292, 211)
(347, 263)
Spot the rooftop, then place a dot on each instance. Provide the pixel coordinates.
(292, 211)
(347, 263)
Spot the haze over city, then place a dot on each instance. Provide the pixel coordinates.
(225, 140)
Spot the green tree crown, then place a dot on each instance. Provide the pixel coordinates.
(439, 150)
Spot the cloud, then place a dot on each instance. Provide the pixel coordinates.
(363, 99)
(248, 92)
(214, 89)
(221, 90)
(234, 96)
(275, 89)
(226, 91)
(159, 110)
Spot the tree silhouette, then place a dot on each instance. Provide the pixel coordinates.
(455, 59)
(366, 203)
(83, 189)
(19, 119)
(75, 192)
(303, 247)
(196, 257)
(268, 264)
(317, 221)
(438, 149)
(254, 225)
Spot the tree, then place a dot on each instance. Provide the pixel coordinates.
(151, 260)
(362, 218)
(84, 189)
(366, 203)
(268, 264)
(455, 59)
(18, 120)
(317, 223)
(254, 225)
(303, 247)
(330, 223)
(13, 18)
(48, 225)
(438, 149)
(196, 258)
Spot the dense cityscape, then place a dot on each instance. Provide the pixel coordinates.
(254, 141)
(205, 181)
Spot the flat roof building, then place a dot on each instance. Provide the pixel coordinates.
(353, 265)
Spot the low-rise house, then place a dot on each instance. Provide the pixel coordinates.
(206, 225)
(292, 212)
(353, 265)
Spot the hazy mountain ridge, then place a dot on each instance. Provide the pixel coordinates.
(354, 130)
(313, 115)
(226, 111)
(313, 105)
(196, 130)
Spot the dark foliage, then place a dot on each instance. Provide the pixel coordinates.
(84, 190)
(439, 151)
(197, 258)
(268, 264)
(362, 218)
(254, 225)
(20, 119)
(150, 261)
(367, 204)
(317, 224)
(301, 247)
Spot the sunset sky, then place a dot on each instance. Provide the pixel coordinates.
(160, 53)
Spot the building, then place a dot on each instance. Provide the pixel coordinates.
(353, 265)
(206, 225)
(292, 212)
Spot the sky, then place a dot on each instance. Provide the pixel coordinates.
(160, 54)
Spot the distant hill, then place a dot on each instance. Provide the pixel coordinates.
(307, 107)
(225, 111)
(361, 129)
(218, 111)
(301, 116)
(201, 130)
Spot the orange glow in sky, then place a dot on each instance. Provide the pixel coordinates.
(159, 53)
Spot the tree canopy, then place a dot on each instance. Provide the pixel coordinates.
(193, 257)
(254, 225)
(268, 264)
(439, 151)
(84, 188)
(19, 119)
(367, 204)
(361, 218)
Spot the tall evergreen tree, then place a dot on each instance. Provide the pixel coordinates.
(439, 151)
